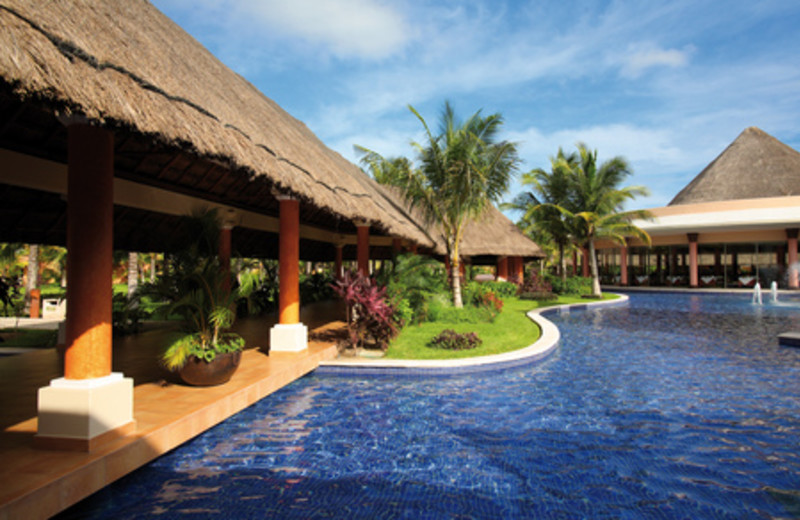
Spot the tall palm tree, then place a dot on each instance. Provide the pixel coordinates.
(549, 190)
(598, 204)
(462, 169)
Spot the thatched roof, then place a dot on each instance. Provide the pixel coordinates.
(494, 234)
(182, 119)
(490, 235)
(755, 165)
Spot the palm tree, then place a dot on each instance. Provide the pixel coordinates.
(598, 205)
(462, 169)
(549, 191)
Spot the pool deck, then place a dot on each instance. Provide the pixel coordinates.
(38, 484)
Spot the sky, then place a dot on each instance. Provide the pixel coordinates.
(666, 85)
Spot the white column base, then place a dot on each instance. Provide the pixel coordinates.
(288, 338)
(76, 411)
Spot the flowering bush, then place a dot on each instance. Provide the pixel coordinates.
(451, 340)
(369, 314)
(490, 301)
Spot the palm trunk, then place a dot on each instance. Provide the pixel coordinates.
(562, 263)
(596, 292)
(455, 276)
(133, 273)
(152, 268)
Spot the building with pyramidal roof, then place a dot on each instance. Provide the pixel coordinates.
(734, 225)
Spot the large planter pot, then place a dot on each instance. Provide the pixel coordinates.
(198, 372)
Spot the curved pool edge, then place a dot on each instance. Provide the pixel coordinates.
(541, 349)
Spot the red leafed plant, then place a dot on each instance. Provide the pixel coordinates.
(490, 301)
(369, 314)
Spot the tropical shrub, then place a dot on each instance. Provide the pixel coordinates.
(126, 314)
(9, 293)
(449, 339)
(208, 311)
(259, 290)
(535, 282)
(370, 316)
(572, 285)
(502, 289)
(536, 287)
(417, 280)
(315, 287)
(491, 302)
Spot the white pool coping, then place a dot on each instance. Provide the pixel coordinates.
(548, 340)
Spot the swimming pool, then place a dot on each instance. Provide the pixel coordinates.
(676, 406)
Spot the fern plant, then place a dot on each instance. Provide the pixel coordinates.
(208, 310)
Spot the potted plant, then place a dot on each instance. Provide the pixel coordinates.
(207, 354)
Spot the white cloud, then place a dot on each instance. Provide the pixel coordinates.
(360, 28)
(642, 57)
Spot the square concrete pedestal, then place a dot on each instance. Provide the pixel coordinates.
(80, 414)
(288, 338)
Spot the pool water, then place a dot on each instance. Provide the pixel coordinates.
(675, 406)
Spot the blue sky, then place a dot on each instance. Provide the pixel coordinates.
(667, 85)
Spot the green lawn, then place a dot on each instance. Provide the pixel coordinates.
(511, 330)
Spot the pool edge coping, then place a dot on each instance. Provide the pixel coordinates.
(541, 348)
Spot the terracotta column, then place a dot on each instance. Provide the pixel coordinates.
(413, 248)
(228, 220)
(337, 268)
(89, 405)
(363, 247)
(289, 335)
(36, 303)
(289, 261)
(502, 268)
(397, 245)
(791, 247)
(520, 269)
(90, 217)
(692, 259)
(623, 265)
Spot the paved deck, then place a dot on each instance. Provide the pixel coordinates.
(38, 484)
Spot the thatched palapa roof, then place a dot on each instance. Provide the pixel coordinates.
(490, 235)
(494, 234)
(182, 120)
(755, 165)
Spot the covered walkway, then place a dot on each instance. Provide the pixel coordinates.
(37, 483)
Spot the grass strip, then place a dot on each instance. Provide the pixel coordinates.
(511, 330)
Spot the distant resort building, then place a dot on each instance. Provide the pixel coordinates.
(736, 224)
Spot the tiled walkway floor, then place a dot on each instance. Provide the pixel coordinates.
(38, 484)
